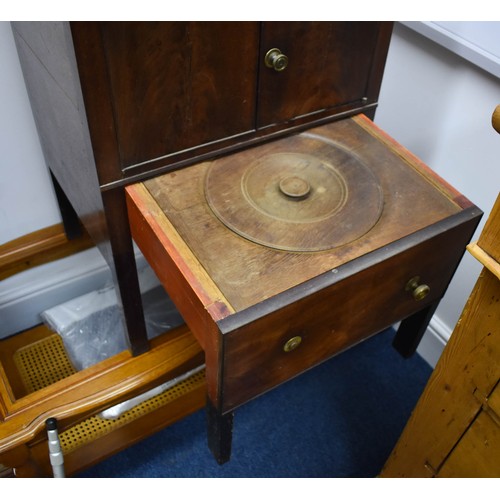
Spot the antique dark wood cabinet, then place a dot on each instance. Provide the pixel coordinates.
(119, 102)
(241, 157)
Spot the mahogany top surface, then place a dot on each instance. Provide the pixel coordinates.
(246, 272)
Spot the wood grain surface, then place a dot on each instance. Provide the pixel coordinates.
(465, 375)
(454, 430)
(248, 273)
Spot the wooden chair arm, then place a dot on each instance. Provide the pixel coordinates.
(91, 390)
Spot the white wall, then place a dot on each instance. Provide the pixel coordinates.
(26, 198)
(439, 106)
(27, 203)
(435, 103)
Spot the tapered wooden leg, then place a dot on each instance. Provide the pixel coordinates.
(108, 226)
(412, 329)
(71, 222)
(220, 433)
(124, 270)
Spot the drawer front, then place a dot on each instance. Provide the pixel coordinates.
(288, 341)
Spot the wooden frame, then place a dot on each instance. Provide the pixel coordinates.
(71, 400)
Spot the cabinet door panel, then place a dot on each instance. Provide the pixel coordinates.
(329, 65)
(177, 85)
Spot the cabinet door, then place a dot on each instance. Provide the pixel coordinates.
(177, 85)
(329, 66)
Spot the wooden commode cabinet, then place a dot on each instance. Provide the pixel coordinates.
(242, 159)
(265, 309)
(117, 103)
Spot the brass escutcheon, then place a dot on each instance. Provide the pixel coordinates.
(418, 291)
(292, 343)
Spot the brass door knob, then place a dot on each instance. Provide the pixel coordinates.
(417, 290)
(292, 343)
(276, 60)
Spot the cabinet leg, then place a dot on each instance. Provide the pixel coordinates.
(109, 228)
(124, 270)
(71, 222)
(220, 433)
(129, 298)
(412, 329)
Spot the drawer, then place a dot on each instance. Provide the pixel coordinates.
(365, 297)
(245, 301)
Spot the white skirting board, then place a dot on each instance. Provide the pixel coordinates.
(432, 344)
(24, 296)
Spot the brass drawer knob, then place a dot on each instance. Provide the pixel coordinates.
(417, 290)
(292, 343)
(276, 60)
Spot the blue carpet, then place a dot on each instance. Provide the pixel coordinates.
(340, 419)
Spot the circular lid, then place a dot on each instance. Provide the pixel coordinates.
(306, 194)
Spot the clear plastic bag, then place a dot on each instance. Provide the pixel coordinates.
(91, 326)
